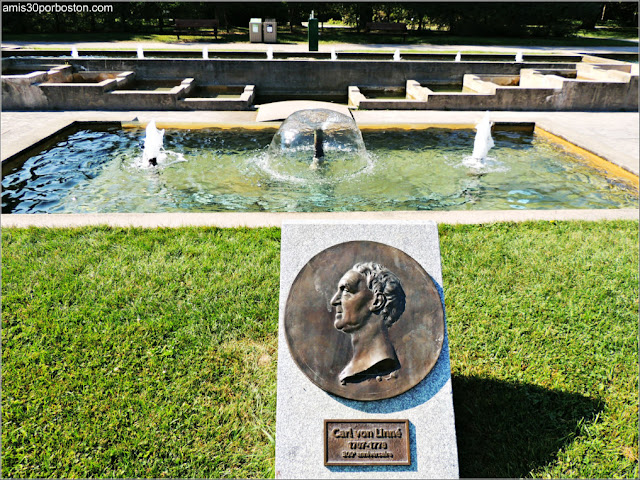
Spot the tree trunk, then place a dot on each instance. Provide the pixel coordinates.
(58, 23)
(123, 16)
(365, 15)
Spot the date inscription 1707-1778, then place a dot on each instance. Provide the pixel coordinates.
(366, 442)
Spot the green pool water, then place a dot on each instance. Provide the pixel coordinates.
(214, 170)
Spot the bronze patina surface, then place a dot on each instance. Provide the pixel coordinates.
(366, 442)
(364, 321)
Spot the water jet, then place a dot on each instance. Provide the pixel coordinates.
(483, 142)
(153, 143)
(236, 170)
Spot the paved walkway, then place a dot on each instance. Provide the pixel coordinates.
(265, 219)
(323, 47)
(278, 111)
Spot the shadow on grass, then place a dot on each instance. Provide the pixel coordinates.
(508, 429)
(339, 35)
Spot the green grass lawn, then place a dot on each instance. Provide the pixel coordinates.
(590, 38)
(152, 353)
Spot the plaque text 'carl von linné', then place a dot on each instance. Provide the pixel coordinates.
(366, 442)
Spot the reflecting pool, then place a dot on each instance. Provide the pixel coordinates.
(219, 170)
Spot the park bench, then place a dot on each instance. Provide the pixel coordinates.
(198, 26)
(389, 27)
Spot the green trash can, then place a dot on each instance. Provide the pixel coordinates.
(313, 33)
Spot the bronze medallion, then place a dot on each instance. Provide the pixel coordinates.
(364, 321)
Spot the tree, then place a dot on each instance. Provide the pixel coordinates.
(623, 14)
(511, 18)
(461, 18)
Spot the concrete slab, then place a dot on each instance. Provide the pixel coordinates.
(262, 219)
(323, 47)
(20, 130)
(614, 136)
(270, 112)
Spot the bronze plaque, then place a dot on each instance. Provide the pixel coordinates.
(366, 442)
(364, 321)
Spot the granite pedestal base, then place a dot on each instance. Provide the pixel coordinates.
(302, 407)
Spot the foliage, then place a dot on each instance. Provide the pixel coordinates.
(460, 18)
(624, 14)
(152, 352)
(511, 18)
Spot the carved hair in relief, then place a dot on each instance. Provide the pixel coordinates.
(368, 301)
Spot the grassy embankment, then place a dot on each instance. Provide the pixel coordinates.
(152, 353)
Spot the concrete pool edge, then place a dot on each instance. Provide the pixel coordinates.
(261, 219)
(609, 161)
(590, 158)
(610, 135)
(591, 131)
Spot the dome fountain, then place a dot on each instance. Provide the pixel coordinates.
(317, 145)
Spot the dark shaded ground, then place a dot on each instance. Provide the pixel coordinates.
(507, 429)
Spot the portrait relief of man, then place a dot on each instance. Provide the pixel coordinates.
(364, 321)
(368, 301)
